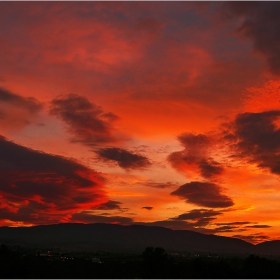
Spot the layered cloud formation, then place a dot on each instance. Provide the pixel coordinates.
(41, 188)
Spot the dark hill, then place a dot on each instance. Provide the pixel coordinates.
(134, 238)
(269, 247)
(117, 238)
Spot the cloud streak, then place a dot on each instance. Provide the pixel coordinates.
(196, 220)
(148, 208)
(157, 185)
(89, 217)
(196, 214)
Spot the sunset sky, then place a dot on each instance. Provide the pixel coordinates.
(151, 113)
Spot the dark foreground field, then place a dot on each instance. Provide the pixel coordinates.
(153, 263)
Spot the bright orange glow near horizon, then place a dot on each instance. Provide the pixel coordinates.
(153, 113)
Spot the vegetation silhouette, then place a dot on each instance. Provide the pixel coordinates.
(156, 263)
(26, 263)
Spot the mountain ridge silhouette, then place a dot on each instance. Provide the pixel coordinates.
(132, 238)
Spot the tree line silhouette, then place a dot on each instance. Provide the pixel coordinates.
(154, 263)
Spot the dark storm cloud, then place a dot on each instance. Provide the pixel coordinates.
(89, 217)
(204, 194)
(147, 207)
(195, 154)
(86, 121)
(124, 158)
(29, 103)
(260, 22)
(256, 137)
(43, 185)
(109, 205)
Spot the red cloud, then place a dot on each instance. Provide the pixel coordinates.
(41, 188)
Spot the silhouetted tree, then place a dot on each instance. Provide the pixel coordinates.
(155, 255)
(157, 263)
